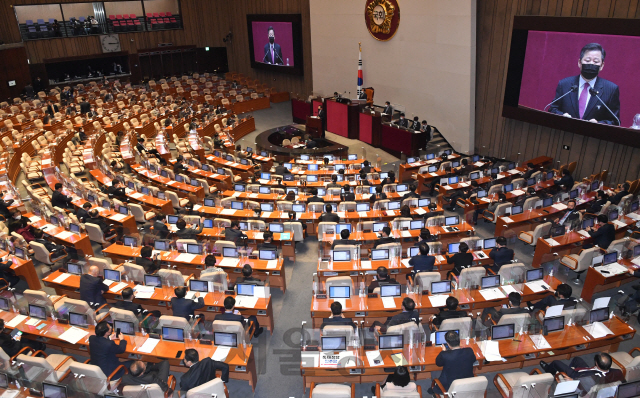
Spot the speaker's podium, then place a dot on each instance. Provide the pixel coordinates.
(342, 117)
(314, 126)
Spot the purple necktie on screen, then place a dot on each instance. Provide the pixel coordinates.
(272, 60)
(583, 99)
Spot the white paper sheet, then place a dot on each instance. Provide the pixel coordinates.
(373, 356)
(492, 294)
(229, 262)
(517, 192)
(636, 261)
(559, 206)
(341, 214)
(118, 217)
(391, 212)
(108, 282)
(491, 350)
(448, 187)
(439, 300)
(540, 342)
(554, 310)
(552, 242)
(632, 216)
(149, 345)
(265, 214)
(143, 295)
(61, 278)
(388, 302)
(513, 171)
(32, 322)
(136, 195)
(597, 330)
(118, 287)
(508, 289)
(405, 262)
(272, 264)
(619, 223)
(584, 233)
(507, 219)
(34, 218)
(420, 211)
(536, 286)
(73, 335)
(613, 269)
(64, 235)
(405, 234)
(362, 214)
(16, 321)
(365, 264)
(601, 302)
(440, 258)
(310, 359)
(221, 354)
(228, 212)
(566, 387)
(246, 301)
(185, 257)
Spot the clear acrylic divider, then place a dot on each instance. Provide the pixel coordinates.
(334, 346)
(83, 386)
(80, 307)
(33, 376)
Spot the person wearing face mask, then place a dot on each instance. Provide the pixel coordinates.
(581, 103)
(402, 122)
(272, 50)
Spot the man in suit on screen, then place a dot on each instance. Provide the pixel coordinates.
(272, 50)
(581, 103)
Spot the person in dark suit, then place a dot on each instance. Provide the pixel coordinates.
(334, 182)
(604, 235)
(103, 351)
(127, 302)
(328, 215)
(624, 191)
(4, 207)
(600, 373)
(188, 233)
(412, 192)
(449, 312)
(531, 168)
(247, 277)
(601, 199)
(384, 237)
(565, 181)
(272, 50)
(402, 122)
(383, 277)
(58, 199)
(425, 128)
(233, 233)
(416, 124)
(160, 229)
(388, 110)
(92, 288)
(456, 362)
(147, 373)
(201, 370)
(366, 167)
(83, 213)
(500, 254)
(512, 308)
(344, 239)
(185, 307)
(267, 243)
(52, 108)
(8, 274)
(57, 251)
(231, 314)
(561, 296)
(151, 265)
(336, 318)
(347, 196)
(85, 107)
(116, 190)
(314, 196)
(460, 260)
(281, 170)
(423, 261)
(322, 115)
(95, 219)
(408, 314)
(11, 346)
(582, 103)
(571, 215)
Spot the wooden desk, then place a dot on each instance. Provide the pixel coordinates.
(464, 230)
(165, 183)
(23, 269)
(596, 282)
(397, 141)
(277, 276)
(79, 242)
(342, 119)
(370, 130)
(300, 109)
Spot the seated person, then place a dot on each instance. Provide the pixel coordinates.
(57, 251)
(314, 196)
(384, 237)
(565, 181)
(422, 262)
(83, 213)
(160, 229)
(12, 346)
(596, 205)
(412, 192)
(267, 244)
(621, 192)
(233, 232)
(512, 308)
(449, 312)
(561, 296)
(117, 191)
(344, 239)
(107, 231)
(603, 235)
(531, 168)
(600, 373)
(398, 382)
(104, 351)
(8, 274)
(200, 371)
(147, 373)
(408, 314)
(183, 306)
(461, 260)
(347, 196)
(17, 222)
(425, 236)
(500, 254)
(231, 314)
(337, 318)
(456, 362)
(379, 195)
(334, 182)
(383, 277)
(328, 215)
(151, 265)
(127, 304)
(92, 287)
(58, 199)
(179, 166)
(247, 271)
(570, 216)
(464, 193)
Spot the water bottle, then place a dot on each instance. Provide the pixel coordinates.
(287, 61)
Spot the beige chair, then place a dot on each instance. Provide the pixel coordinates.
(213, 388)
(339, 281)
(411, 390)
(627, 363)
(133, 272)
(96, 235)
(33, 367)
(172, 277)
(39, 297)
(295, 227)
(150, 390)
(470, 277)
(331, 390)
(521, 321)
(512, 273)
(472, 387)
(619, 245)
(531, 238)
(235, 327)
(501, 210)
(326, 227)
(91, 379)
(424, 279)
(580, 262)
(140, 215)
(495, 189)
(463, 325)
(523, 385)
(176, 202)
(43, 255)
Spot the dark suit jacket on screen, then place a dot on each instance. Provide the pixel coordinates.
(277, 54)
(609, 93)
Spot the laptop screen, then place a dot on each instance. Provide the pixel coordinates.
(440, 336)
(554, 323)
(36, 311)
(267, 254)
(339, 291)
(416, 224)
(424, 202)
(229, 252)
(502, 331)
(454, 247)
(535, 274)
(390, 290)
(76, 319)
(490, 281)
(75, 269)
(172, 219)
(337, 343)
(153, 280)
(341, 255)
(362, 207)
(391, 342)
(441, 287)
(454, 220)
(112, 275)
(50, 390)
(341, 226)
(125, 327)
(198, 286)
(130, 241)
(225, 339)
(172, 334)
(489, 243)
(245, 289)
(160, 245)
(629, 390)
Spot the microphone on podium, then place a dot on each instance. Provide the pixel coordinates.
(573, 88)
(595, 93)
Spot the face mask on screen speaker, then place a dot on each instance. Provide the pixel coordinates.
(590, 71)
(271, 39)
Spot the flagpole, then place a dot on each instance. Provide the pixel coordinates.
(360, 79)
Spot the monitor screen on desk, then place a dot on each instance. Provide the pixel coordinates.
(172, 219)
(573, 194)
(50, 390)
(353, 156)
(106, 204)
(267, 207)
(76, 319)
(402, 187)
(531, 182)
(304, 157)
(265, 176)
(393, 205)
(267, 254)
(112, 274)
(53, 220)
(636, 251)
(490, 281)
(198, 286)
(322, 191)
(432, 169)
(503, 331)
(411, 160)
(339, 292)
(91, 198)
(4, 304)
(239, 187)
(599, 315)
(298, 208)
(416, 224)
(391, 341)
(179, 178)
(205, 167)
(440, 287)
(414, 251)
(613, 215)
(162, 196)
(377, 226)
(587, 222)
(339, 166)
(554, 323)
(264, 154)
(557, 231)
(341, 226)
(294, 190)
(629, 390)
(222, 339)
(431, 156)
(424, 202)
(634, 206)
(172, 334)
(245, 289)
(75, 228)
(164, 173)
(440, 340)
(208, 223)
(264, 190)
(130, 241)
(610, 258)
(372, 190)
(516, 210)
(4, 380)
(508, 188)
(124, 210)
(474, 176)
(152, 280)
(195, 183)
(312, 167)
(36, 311)
(276, 227)
(454, 248)
(453, 180)
(379, 254)
(390, 290)
(383, 175)
(481, 194)
(453, 220)
(535, 274)
(125, 327)
(363, 207)
(230, 252)
(341, 255)
(18, 252)
(160, 245)
(235, 205)
(546, 202)
(455, 163)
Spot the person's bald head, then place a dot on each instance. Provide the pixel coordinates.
(137, 368)
(94, 270)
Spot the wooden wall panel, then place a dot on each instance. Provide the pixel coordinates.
(206, 23)
(501, 137)
(13, 67)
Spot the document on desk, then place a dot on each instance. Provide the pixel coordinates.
(613, 269)
(405, 262)
(448, 187)
(229, 262)
(552, 242)
(420, 211)
(540, 342)
(61, 278)
(559, 206)
(492, 294)
(10, 394)
(185, 257)
(118, 217)
(632, 216)
(197, 207)
(597, 330)
(399, 359)
(168, 183)
(190, 295)
(389, 302)
(32, 322)
(517, 192)
(584, 233)
(636, 261)
(16, 321)
(566, 387)
(246, 301)
(341, 214)
(439, 300)
(507, 219)
(148, 346)
(144, 294)
(365, 264)
(108, 282)
(265, 214)
(362, 214)
(554, 310)
(272, 264)
(537, 286)
(310, 359)
(440, 258)
(258, 235)
(405, 234)
(228, 212)
(136, 195)
(73, 335)
(485, 199)
(374, 358)
(619, 223)
(236, 194)
(118, 287)
(509, 289)
(464, 184)
(390, 212)
(433, 174)
(34, 219)
(491, 350)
